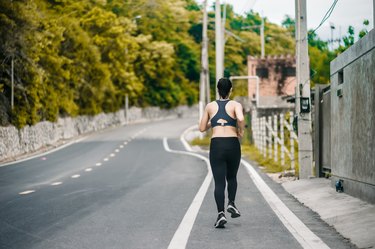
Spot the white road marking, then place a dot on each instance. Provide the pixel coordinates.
(27, 192)
(125, 143)
(296, 227)
(98, 164)
(182, 138)
(88, 169)
(45, 153)
(76, 176)
(56, 183)
(117, 150)
(112, 155)
(105, 159)
(121, 146)
(183, 231)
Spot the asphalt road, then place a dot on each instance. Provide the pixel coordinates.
(120, 188)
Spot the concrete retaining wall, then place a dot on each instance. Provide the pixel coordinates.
(353, 118)
(14, 142)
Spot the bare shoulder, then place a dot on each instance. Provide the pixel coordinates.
(211, 105)
(236, 104)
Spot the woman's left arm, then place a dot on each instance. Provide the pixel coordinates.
(204, 125)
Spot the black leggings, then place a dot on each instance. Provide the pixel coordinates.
(225, 156)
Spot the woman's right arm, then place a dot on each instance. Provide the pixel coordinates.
(240, 119)
(205, 124)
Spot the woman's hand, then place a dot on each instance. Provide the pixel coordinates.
(240, 133)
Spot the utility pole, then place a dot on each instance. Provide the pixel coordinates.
(223, 36)
(205, 54)
(303, 91)
(218, 45)
(12, 82)
(204, 89)
(332, 26)
(126, 110)
(262, 39)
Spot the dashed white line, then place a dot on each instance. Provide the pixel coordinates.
(88, 169)
(56, 183)
(121, 146)
(98, 164)
(27, 192)
(112, 155)
(64, 145)
(117, 150)
(125, 143)
(105, 159)
(76, 176)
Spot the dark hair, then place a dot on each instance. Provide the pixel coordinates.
(224, 85)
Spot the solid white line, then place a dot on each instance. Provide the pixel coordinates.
(296, 227)
(182, 138)
(45, 153)
(182, 233)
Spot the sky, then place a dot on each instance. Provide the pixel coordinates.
(346, 12)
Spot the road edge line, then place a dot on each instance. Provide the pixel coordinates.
(57, 148)
(296, 227)
(182, 234)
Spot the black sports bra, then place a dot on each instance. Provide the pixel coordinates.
(222, 114)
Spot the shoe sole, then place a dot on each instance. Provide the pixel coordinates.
(221, 224)
(233, 213)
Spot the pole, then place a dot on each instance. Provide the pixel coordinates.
(218, 43)
(223, 37)
(12, 90)
(126, 109)
(202, 81)
(303, 90)
(205, 55)
(231, 78)
(262, 39)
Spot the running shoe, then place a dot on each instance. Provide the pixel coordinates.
(221, 220)
(233, 210)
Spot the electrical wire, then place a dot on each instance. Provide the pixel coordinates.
(325, 18)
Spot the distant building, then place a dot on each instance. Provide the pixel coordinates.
(277, 80)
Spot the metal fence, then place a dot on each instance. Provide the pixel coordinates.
(274, 137)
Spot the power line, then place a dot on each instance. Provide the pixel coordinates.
(326, 16)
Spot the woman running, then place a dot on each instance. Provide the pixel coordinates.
(227, 121)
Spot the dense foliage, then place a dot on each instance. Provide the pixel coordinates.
(74, 57)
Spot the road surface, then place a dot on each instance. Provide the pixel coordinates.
(131, 187)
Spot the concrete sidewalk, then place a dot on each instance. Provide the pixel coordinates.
(351, 217)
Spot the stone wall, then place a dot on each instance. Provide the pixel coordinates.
(14, 142)
(353, 118)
